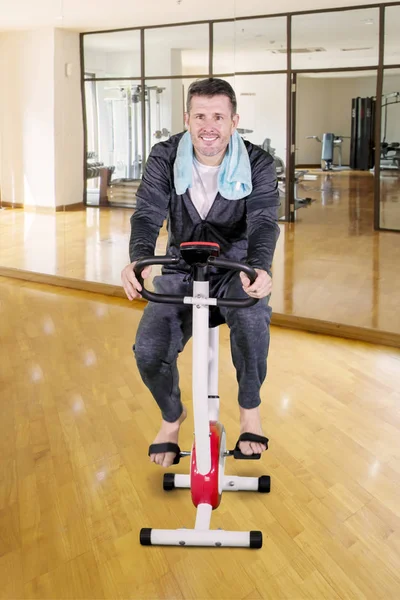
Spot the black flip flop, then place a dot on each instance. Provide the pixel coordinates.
(166, 447)
(249, 437)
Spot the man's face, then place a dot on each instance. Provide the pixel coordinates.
(211, 123)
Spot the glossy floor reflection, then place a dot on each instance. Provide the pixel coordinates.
(76, 483)
(330, 265)
(390, 200)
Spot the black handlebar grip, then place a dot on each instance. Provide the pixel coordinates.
(148, 261)
(235, 266)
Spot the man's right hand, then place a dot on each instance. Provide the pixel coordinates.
(131, 285)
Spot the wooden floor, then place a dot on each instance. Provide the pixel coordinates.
(390, 200)
(76, 485)
(330, 265)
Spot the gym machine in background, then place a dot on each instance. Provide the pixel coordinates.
(126, 127)
(329, 142)
(362, 145)
(299, 176)
(390, 150)
(281, 175)
(362, 149)
(96, 170)
(119, 127)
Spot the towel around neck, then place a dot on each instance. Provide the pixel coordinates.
(234, 178)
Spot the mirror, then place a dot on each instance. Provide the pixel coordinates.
(348, 38)
(334, 159)
(115, 54)
(114, 139)
(392, 23)
(128, 110)
(181, 50)
(165, 109)
(250, 45)
(389, 217)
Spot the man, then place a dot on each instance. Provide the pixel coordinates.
(211, 186)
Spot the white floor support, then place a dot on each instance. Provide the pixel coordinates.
(182, 481)
(202, 535)
(231, 483)
(193, 537)
(240, 484)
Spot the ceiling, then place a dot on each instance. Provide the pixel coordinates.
(91, 15)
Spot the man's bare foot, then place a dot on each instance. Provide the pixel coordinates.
(169, 432)
(250, 422)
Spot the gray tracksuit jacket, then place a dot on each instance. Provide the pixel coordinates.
(246, 230)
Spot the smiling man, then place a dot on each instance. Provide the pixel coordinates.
(211, 186)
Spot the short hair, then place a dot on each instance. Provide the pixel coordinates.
(211, 87)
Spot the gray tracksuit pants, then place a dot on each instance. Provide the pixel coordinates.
(165, 329)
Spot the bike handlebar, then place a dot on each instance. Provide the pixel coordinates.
(212, 261)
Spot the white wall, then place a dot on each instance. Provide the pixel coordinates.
(312, 117)
(68, 122)
(40, 119)
(27, 123)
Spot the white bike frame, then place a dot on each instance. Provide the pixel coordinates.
(205, 374)
(205, 409)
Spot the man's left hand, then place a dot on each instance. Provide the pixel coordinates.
(262, 286)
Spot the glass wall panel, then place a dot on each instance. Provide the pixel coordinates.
(390, 151)
(182, 50)
(250, 45)
(392, 35)
(335, 39)
(262, 113)
(114, 54)
(165, 108)
(114, 136)
(328, 98)
(262, 117)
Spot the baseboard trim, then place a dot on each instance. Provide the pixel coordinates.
(351, 332)
(308, 166)
(4, 204)
(338, 330)
(50, 209)
(71, 207)
(65, 282)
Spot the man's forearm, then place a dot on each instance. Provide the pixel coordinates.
(152, 201)
(263, 234)
(145, 229)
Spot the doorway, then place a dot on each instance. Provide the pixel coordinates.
(333, 137)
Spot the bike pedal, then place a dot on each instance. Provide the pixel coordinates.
(239, 456)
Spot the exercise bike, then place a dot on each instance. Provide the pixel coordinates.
(207, 479)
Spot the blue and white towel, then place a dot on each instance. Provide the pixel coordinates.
(234, 179)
